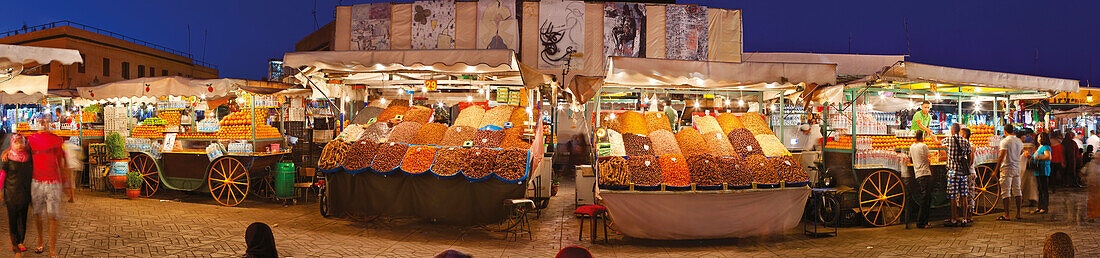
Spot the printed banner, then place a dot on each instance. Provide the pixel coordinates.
(561, 33)
(370, 26)
(686, 32)
(497, 26)
(433, 24)
(624, 29)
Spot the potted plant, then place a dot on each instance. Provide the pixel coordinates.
(120, 160)
(554, 186)
(133, 184)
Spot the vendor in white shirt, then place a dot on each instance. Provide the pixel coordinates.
(1093, 141)
(813, 136)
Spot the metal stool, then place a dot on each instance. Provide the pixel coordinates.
(516, 223)
(593, 212)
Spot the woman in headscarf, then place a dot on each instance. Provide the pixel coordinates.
(18, 167)
(260, 241)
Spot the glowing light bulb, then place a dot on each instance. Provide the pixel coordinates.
(469, 98)
(696, 104)
(938, 96)
(740, 102)
(382, 100)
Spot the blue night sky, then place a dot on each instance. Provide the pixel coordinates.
(989, 35)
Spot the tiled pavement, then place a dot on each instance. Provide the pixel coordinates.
(191, 225)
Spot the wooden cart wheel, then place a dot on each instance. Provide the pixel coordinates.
(265, 187)
(987, 190)
(228, 181)
(150, 173)
(882, 198)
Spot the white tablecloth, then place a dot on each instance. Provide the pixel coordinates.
(705, 214)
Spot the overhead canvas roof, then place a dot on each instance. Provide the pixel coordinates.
(846, 64)
(24, 89)
(917, 72)
(160, 87)
(13, 55)
(372, 66)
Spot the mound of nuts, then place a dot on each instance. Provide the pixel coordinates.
(644, 170)
(637, 145)
(790, 169)
(731, 171)
(761, 169)
(418, 159)
(511, 164)
(704, 170)
(449, 161)
(488, 138)
(482, 162)
(614, 171)
(360, 155)
(744, 143)
(389, 156)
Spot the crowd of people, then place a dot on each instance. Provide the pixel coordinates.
(36, 179)
(1030, 166)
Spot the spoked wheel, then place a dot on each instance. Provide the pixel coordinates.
(322, 201)
(228, 181)
(265, 187)
(987, 190)
(881, 198)
(150, 173)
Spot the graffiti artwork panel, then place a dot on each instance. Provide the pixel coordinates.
(624, 29)
(370, 26)
(497, 26)
(433, 24)
(561, 33)
(686, 32)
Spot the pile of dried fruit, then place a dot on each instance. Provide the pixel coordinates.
(449, 161)
(761, 169)
(755, 123)
(744, 143)
(790, 169)
(637, 145)
(771, 145)
(389, 156)
(664, 142)
(633, 122)
(482, 162)
(332, 154)
(718, 144)
(731, 171)
(418, 114)
(674, 170)
(496, 116)
(706, 124)
(418, 159)
(457, 135)
(404, 132)
(513, 138)
(610, 121)
(488, 138)
(430, 134)
(728, 122)
(519, 115)
(470, 116)
(644, 170)
(618, 148)
(704, 170)
(360, 155)
(511, 164)
(376, 132)
(656, 120)
(691, 142)
(614, 171)
(392, 112)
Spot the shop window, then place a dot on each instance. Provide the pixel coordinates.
(163, 72)
(126, 70)
(141, 71)
(152, 72)
(106, 67)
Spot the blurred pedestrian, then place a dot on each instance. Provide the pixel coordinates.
(1057, 174)
(50, 179)
(260, 241)
(1092, 174)
(1042, 172)
(1071, 158)
(1009, 164)
(17, 166)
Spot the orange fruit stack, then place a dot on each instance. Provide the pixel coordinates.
(172, 117)
(148, 131)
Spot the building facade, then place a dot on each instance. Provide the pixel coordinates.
(108, 56)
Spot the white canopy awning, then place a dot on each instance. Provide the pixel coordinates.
(375, 67)
(846, 64)
(13, 55)
(916, 72)
(648, 72)
(24, 89)
(161, 86)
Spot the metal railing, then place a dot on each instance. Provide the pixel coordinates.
(108, 33)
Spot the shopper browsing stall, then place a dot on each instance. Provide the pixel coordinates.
(959, 158)
(1009, 163)
(1042, 172)
(920, 155)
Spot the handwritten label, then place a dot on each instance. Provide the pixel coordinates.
(169, 142)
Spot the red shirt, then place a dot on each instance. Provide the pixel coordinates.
(1056, 153)
(47, 155)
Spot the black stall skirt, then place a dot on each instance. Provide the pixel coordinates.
(446, 200)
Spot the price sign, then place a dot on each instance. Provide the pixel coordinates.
(468, 144)
(169, 142)
(431, 84)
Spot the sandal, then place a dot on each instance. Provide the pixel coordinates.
(1003, 218)
(39, 249)
(1042, 211)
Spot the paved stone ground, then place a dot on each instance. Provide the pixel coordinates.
(191, 225)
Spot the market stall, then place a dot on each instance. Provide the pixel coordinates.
(870, 135)
(20, 94)
(229, 155)
(446, 135)
(682, 145)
